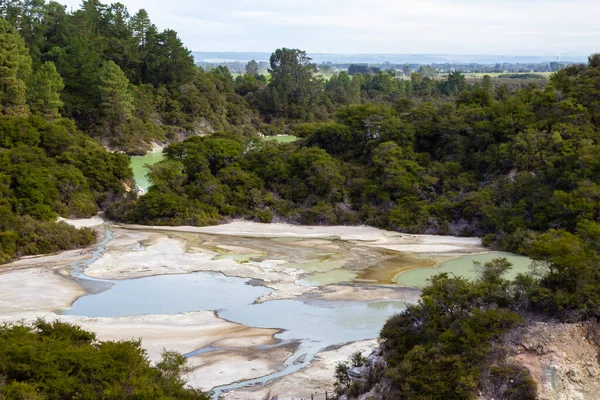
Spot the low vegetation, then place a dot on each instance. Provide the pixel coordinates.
(515, 163)
(440, 357)
(438, 348)
(56, 360)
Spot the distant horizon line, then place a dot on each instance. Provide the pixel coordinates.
(402, 54)
(393, 58)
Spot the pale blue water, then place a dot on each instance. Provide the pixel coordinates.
(168, 294)
(314, 325)
(327, 322)
(233, 299)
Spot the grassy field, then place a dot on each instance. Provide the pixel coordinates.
(326, 76)
(480, 75)
(475, 75)
(267, 76)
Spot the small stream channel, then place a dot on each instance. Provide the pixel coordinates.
(313, 325)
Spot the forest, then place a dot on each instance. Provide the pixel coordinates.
(515, 164)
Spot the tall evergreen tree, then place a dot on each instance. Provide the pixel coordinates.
(140, 25)
(252, 67)
(121, 46)
(173, 63)
(115, 94)
(292, 77)
(143, 32)
(44, 91)
(486, 83)
(15, 68)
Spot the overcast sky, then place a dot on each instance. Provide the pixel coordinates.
(511, 27)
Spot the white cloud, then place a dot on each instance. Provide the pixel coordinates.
(525, 27)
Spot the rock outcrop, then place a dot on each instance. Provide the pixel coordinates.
(370, 376)
(563, 359)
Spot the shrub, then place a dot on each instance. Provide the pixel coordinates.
(56, 360)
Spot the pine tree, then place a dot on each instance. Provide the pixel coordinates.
(144, 35)
(252, 68)
(354, 90)
(44, 91)
(15, 68)
(117, 100)
(140, 25)
(487, 84)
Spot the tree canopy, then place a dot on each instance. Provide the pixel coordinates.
(56, 360)
(516, 164)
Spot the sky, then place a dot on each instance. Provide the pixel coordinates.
(479, 27)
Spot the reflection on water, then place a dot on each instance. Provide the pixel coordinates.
(463, 266)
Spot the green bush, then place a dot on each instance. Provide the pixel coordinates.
(49, 168)
(56, 360)
(435, 349)
(264, 215)
(512, 382)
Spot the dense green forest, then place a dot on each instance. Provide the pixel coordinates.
(515, 164)
(50, 169)
(128, 84)
(115, 77)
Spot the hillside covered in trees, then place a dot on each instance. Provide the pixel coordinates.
(515, 164)
(128, 84)
(50, 169)
(113, 76)
(119, 78)
(517, 167)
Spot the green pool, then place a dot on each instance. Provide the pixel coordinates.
(138, 165)
(463, 266)
(281, 138)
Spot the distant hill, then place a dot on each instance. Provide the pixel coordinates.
(232, 56)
